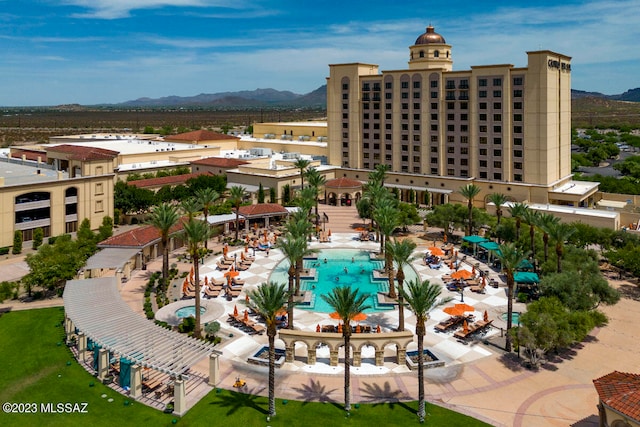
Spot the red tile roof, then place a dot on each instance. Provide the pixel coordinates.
(165, 180)
(29, 154)
(138, 237)
(343, 183)
(200, 136)
(621, 392)
(219, 162)
(263, 209)
(79, 152)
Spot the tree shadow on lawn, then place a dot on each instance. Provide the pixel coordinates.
(376, 395)
(236, 401)
(314, 392)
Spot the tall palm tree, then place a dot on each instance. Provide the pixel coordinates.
(316, 181)
(207, 197)
(422, 297)
(517, 211)
(196, 232)
(560, 232)
(235, 197)
(498, 199)
(531, 217)
(292, 248)
(267, 300)
(400, 251)
(510, 257)
(164, 217)
(470, 191)
(545, 223)
(302, 165)
(347, 303)
(387, 219)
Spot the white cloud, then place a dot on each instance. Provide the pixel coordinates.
(115, 9)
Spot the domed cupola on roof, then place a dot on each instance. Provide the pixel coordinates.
(430, 37)
(430, 52)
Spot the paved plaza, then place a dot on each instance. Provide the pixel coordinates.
(478, 378)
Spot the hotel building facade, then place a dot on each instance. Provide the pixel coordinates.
(503, 128)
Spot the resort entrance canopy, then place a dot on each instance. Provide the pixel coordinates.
(97, 310)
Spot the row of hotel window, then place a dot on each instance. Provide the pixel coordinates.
(451, 95)
(434, 128)
(434, 117)
(434, 106)
(463, 173)
(450, 84)
(451, 150)
(434, 139)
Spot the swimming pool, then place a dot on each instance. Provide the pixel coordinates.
(350, 267)
(189, 311)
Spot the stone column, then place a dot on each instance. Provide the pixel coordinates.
(289, 353)
(214, 369)
(333, 357)
(179, 397)
(82, 347)
(311, 356)
(380, 357)
(135, 377)
(103, 364)
(69, 329)
(401, 355)
(357, 358)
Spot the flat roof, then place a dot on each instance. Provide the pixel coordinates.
(294, 141)
(573, 210)
(27, 173)
(134, 146)
(316, 124)
(577, 188)
(109, 258)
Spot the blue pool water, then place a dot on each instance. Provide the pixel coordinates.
(188, 311)
(515, 318)
(358, 275)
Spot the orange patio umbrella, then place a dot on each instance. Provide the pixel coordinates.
(465, 326)
(359, 317)
(436, 251)
(458, 309)
(235, 310)
(206, 281)
(378, 330)
(461, 274)
(339, 328)
(246, 316)
(444, 239)
(329, 233)
(473, 270)
(485, 316)
(281, 312)
(225, 249)
(231, 274)
(358, 330)
(242, 256)
(246, 247)
(246, 297)
(317, 328)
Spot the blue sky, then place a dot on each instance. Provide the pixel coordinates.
(108, 51)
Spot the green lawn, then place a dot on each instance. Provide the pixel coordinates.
(37, 368)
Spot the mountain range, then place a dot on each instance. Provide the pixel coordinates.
(317, 98)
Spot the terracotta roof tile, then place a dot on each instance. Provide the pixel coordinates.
(220, 162)
(138, 237)
(199, 136)
(165, 180)
(261, 209)
(78, 152)
(621, 392)
(29, 154)
(343, 183)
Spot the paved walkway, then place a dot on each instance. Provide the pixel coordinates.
(479, 380)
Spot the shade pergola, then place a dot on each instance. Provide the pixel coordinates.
(474, 240)
(96, 309)
(492, 248)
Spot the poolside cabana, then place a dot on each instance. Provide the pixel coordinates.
(95, 312)
(491, 248)
(474, 240)
(263, 211)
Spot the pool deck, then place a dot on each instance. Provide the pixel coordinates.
(480, 381)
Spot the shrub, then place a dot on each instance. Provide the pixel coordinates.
(5, 250)
(188, 325)
(17, 242)
(8, 290)
(38, 236)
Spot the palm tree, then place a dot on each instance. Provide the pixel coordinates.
(387, 219)
(236, 196)
(316, 181)
(196, 232)
(400, 251)
(267, 300)
(470, 191)
(292, 248)
(207, 198)
(422, 297)
(510, 257)
(302, 165)
(191, 207)
(545, 223)
(347, 304)
(517, 211)
(498, 199)
(531, 217)
(164, 217)
(560, 232)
